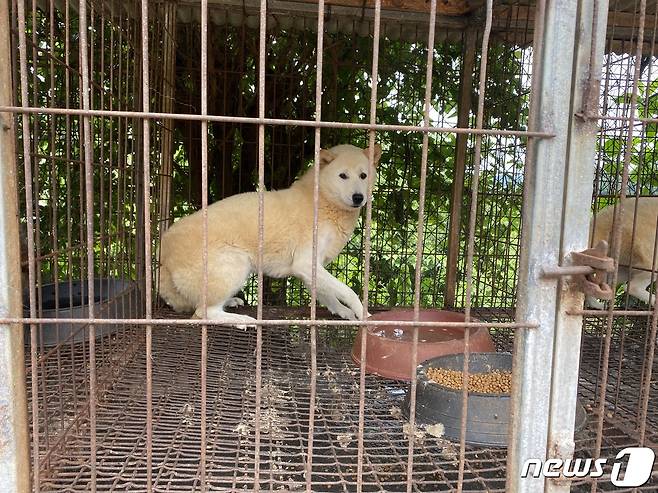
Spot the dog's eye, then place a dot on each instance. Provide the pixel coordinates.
(343, 176)
(363, 176)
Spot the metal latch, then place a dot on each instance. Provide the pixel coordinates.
(589, 270)
(595, 284)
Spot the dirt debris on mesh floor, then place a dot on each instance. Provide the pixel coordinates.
(230, 415)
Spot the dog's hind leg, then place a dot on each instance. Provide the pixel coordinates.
(227, 272)
(171, 295)
(240, 321)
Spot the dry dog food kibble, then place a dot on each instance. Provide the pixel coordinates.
(496, 382)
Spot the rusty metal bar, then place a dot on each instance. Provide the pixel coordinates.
(314, 250)
(618, 136)
(419, 246)
(36, 183)
(553, 49)
(579, 176)
(168, 89)
(616, 235)
(89, 212)
(463, 120)
(276, 121)
(262, 49)
(146, 206)
(27, 166)
(15, 451)
(475, 180)
(69, 211)
(266, 322)
(204, 236)
(54, 194)
(647, 368)
(367, 247)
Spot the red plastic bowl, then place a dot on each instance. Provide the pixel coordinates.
(388, 347)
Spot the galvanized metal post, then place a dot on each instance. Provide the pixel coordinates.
(590, 40)
(544, 190)
(14, 448)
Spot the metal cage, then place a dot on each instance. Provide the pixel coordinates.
(121, 116)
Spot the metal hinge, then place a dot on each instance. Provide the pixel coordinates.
(590, 109)
(589, 270)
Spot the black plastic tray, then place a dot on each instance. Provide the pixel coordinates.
(113, 298)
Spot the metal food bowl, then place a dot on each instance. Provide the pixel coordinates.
(487, 421)
(113, 298)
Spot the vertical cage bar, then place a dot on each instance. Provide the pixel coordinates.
(314, 248)
(617, 232)
(38, 191)
(457, 197)
(204, 213)
(366, 248)
(69, 188)
(420, 244)
(475, 184)
(146, 195)
(27, 166)
(262, 48)
(553, 47)
(590, 40)
(168, 90)
(14, 454)
(89, 213)
(650, 352)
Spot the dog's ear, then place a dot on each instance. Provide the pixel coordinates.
(378, 153)
(326, 157)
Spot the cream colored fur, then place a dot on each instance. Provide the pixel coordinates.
(287, 247)
(637, 247)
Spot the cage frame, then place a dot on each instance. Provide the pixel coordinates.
(536, 352)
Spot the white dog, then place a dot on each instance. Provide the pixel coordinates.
(636, 250)
(288, 240)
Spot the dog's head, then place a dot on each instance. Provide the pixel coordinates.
(345, 173)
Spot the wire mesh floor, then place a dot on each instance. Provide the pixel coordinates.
(230, 447)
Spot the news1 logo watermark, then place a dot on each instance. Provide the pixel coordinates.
(637, 472)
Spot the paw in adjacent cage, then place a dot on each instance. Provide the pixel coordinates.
(637, 219)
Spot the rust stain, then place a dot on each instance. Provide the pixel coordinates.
(5, 427)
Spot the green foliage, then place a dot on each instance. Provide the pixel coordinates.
(613, 143)
(290, 93)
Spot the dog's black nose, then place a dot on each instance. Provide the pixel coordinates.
(357, 198)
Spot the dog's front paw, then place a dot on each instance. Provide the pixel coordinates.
(345, 313)
(356, 306)
(337, 308)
